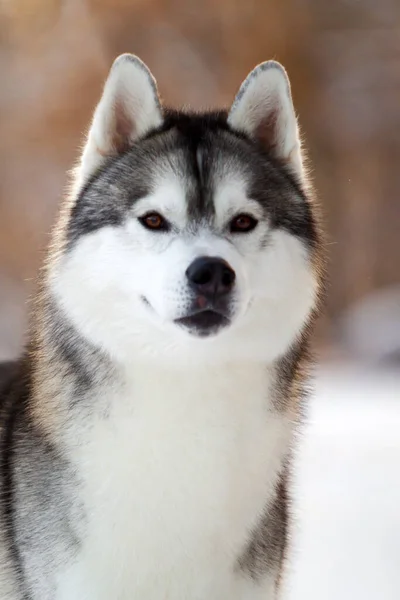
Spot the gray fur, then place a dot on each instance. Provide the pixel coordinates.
(267, 548)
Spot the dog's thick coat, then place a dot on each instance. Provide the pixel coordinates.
(146, 434)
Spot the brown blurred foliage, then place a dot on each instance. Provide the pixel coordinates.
(343, 61)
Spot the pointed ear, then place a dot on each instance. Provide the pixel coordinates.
(263, 109)
(128, 109)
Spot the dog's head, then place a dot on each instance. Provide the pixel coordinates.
(190, 234)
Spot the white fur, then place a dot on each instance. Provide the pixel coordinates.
(265, 96)
(175, 479)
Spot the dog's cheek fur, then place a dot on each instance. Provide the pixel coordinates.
(284, 290)
(97, 287)
(102, 283)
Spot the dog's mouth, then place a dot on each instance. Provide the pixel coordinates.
(204, 323)
(201, 322)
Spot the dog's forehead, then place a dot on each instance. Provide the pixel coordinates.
(198, 183)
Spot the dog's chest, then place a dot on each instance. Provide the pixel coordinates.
(176, 478)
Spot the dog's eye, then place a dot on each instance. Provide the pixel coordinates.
(243, 224)
(154, 221)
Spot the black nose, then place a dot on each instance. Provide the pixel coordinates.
(211, 277)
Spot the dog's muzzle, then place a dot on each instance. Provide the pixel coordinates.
(212, 281)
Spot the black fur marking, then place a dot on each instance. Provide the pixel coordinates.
(7, 372)
(266, 550)
(13, 395)
(121, 181)
(194, 126)
(292, 368)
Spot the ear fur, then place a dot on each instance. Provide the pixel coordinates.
(128, 109)
(263, 109)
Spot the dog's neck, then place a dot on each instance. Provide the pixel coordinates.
(70, 371)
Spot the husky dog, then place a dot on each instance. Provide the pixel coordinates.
(146, 434)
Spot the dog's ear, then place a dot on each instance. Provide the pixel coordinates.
(263, 109)
(129, 108)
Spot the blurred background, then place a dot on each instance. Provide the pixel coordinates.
(343, 59)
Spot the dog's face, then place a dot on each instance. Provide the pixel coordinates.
(191, 240)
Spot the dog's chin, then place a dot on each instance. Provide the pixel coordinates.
(206, 323)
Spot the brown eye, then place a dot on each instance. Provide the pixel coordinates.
(243, 224)
(154, 221)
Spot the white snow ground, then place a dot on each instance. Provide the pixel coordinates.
(347, 544)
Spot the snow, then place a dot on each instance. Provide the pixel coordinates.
(347, 540)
